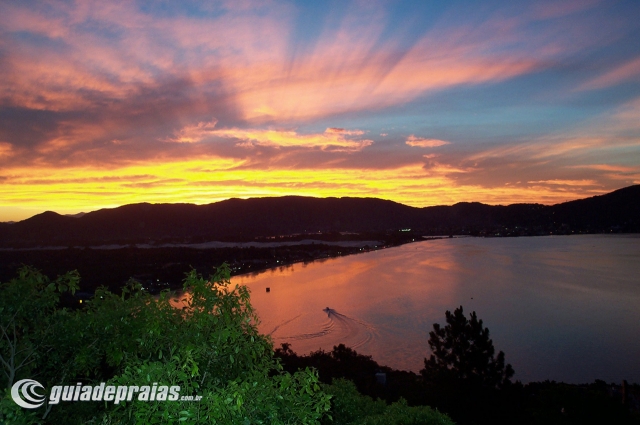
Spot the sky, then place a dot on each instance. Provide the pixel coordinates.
(106, 103)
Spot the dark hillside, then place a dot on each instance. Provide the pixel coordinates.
(247, 219)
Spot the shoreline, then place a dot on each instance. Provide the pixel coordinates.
(164, 267)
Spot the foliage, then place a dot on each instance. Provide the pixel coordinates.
(341, 362)
(345, 362)
(28, 308)
(349, 407)
(11, 413)
(462, 350)
(210, 348)
(400, 414)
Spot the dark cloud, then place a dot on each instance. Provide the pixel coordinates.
(23, 127)
(113, 131)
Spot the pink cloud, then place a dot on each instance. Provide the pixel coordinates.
(630, 71)
(246, 54)
(194, 133)
(425, 143)
(344, 132)
(609, 167)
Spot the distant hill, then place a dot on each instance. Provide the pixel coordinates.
(247, 219)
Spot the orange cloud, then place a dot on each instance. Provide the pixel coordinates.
(279, 138)
(5, 150)
(567, 182)
(334, 139)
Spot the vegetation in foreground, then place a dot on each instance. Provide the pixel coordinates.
(210, 348)
(466, 380)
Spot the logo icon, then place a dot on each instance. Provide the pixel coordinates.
(24, 394)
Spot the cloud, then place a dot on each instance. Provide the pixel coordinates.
(5, 150)
(243, 52)
(592, 157)
(95, 73)
(330, 141)
(194, 133)
(162, 183)
(629, 71)
(425, 143)
(333, 139)
(566, 182)
(557, 9)
(60, 180)
(97, 93)
(609, 167)
(343, 131)
(613, 172)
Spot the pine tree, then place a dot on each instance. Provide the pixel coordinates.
(463, 351)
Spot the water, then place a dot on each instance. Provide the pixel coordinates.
(565, 308)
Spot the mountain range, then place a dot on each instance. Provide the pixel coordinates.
(248, 219)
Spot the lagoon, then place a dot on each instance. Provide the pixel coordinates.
(564, 308)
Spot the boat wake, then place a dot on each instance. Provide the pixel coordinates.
(286, 322)
(336, 329)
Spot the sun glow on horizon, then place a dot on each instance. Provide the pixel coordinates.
(207, 181)
(106, 104)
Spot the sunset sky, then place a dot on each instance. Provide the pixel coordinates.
(107, 103)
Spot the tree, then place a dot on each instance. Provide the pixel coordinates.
(210, 348)
(463, 351)
(349, 407)
(28, 315)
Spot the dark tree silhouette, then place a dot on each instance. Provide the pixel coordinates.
(462, 350)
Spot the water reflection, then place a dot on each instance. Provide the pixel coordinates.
(562, 308)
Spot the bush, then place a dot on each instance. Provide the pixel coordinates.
(211, 348)
(349, 407)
